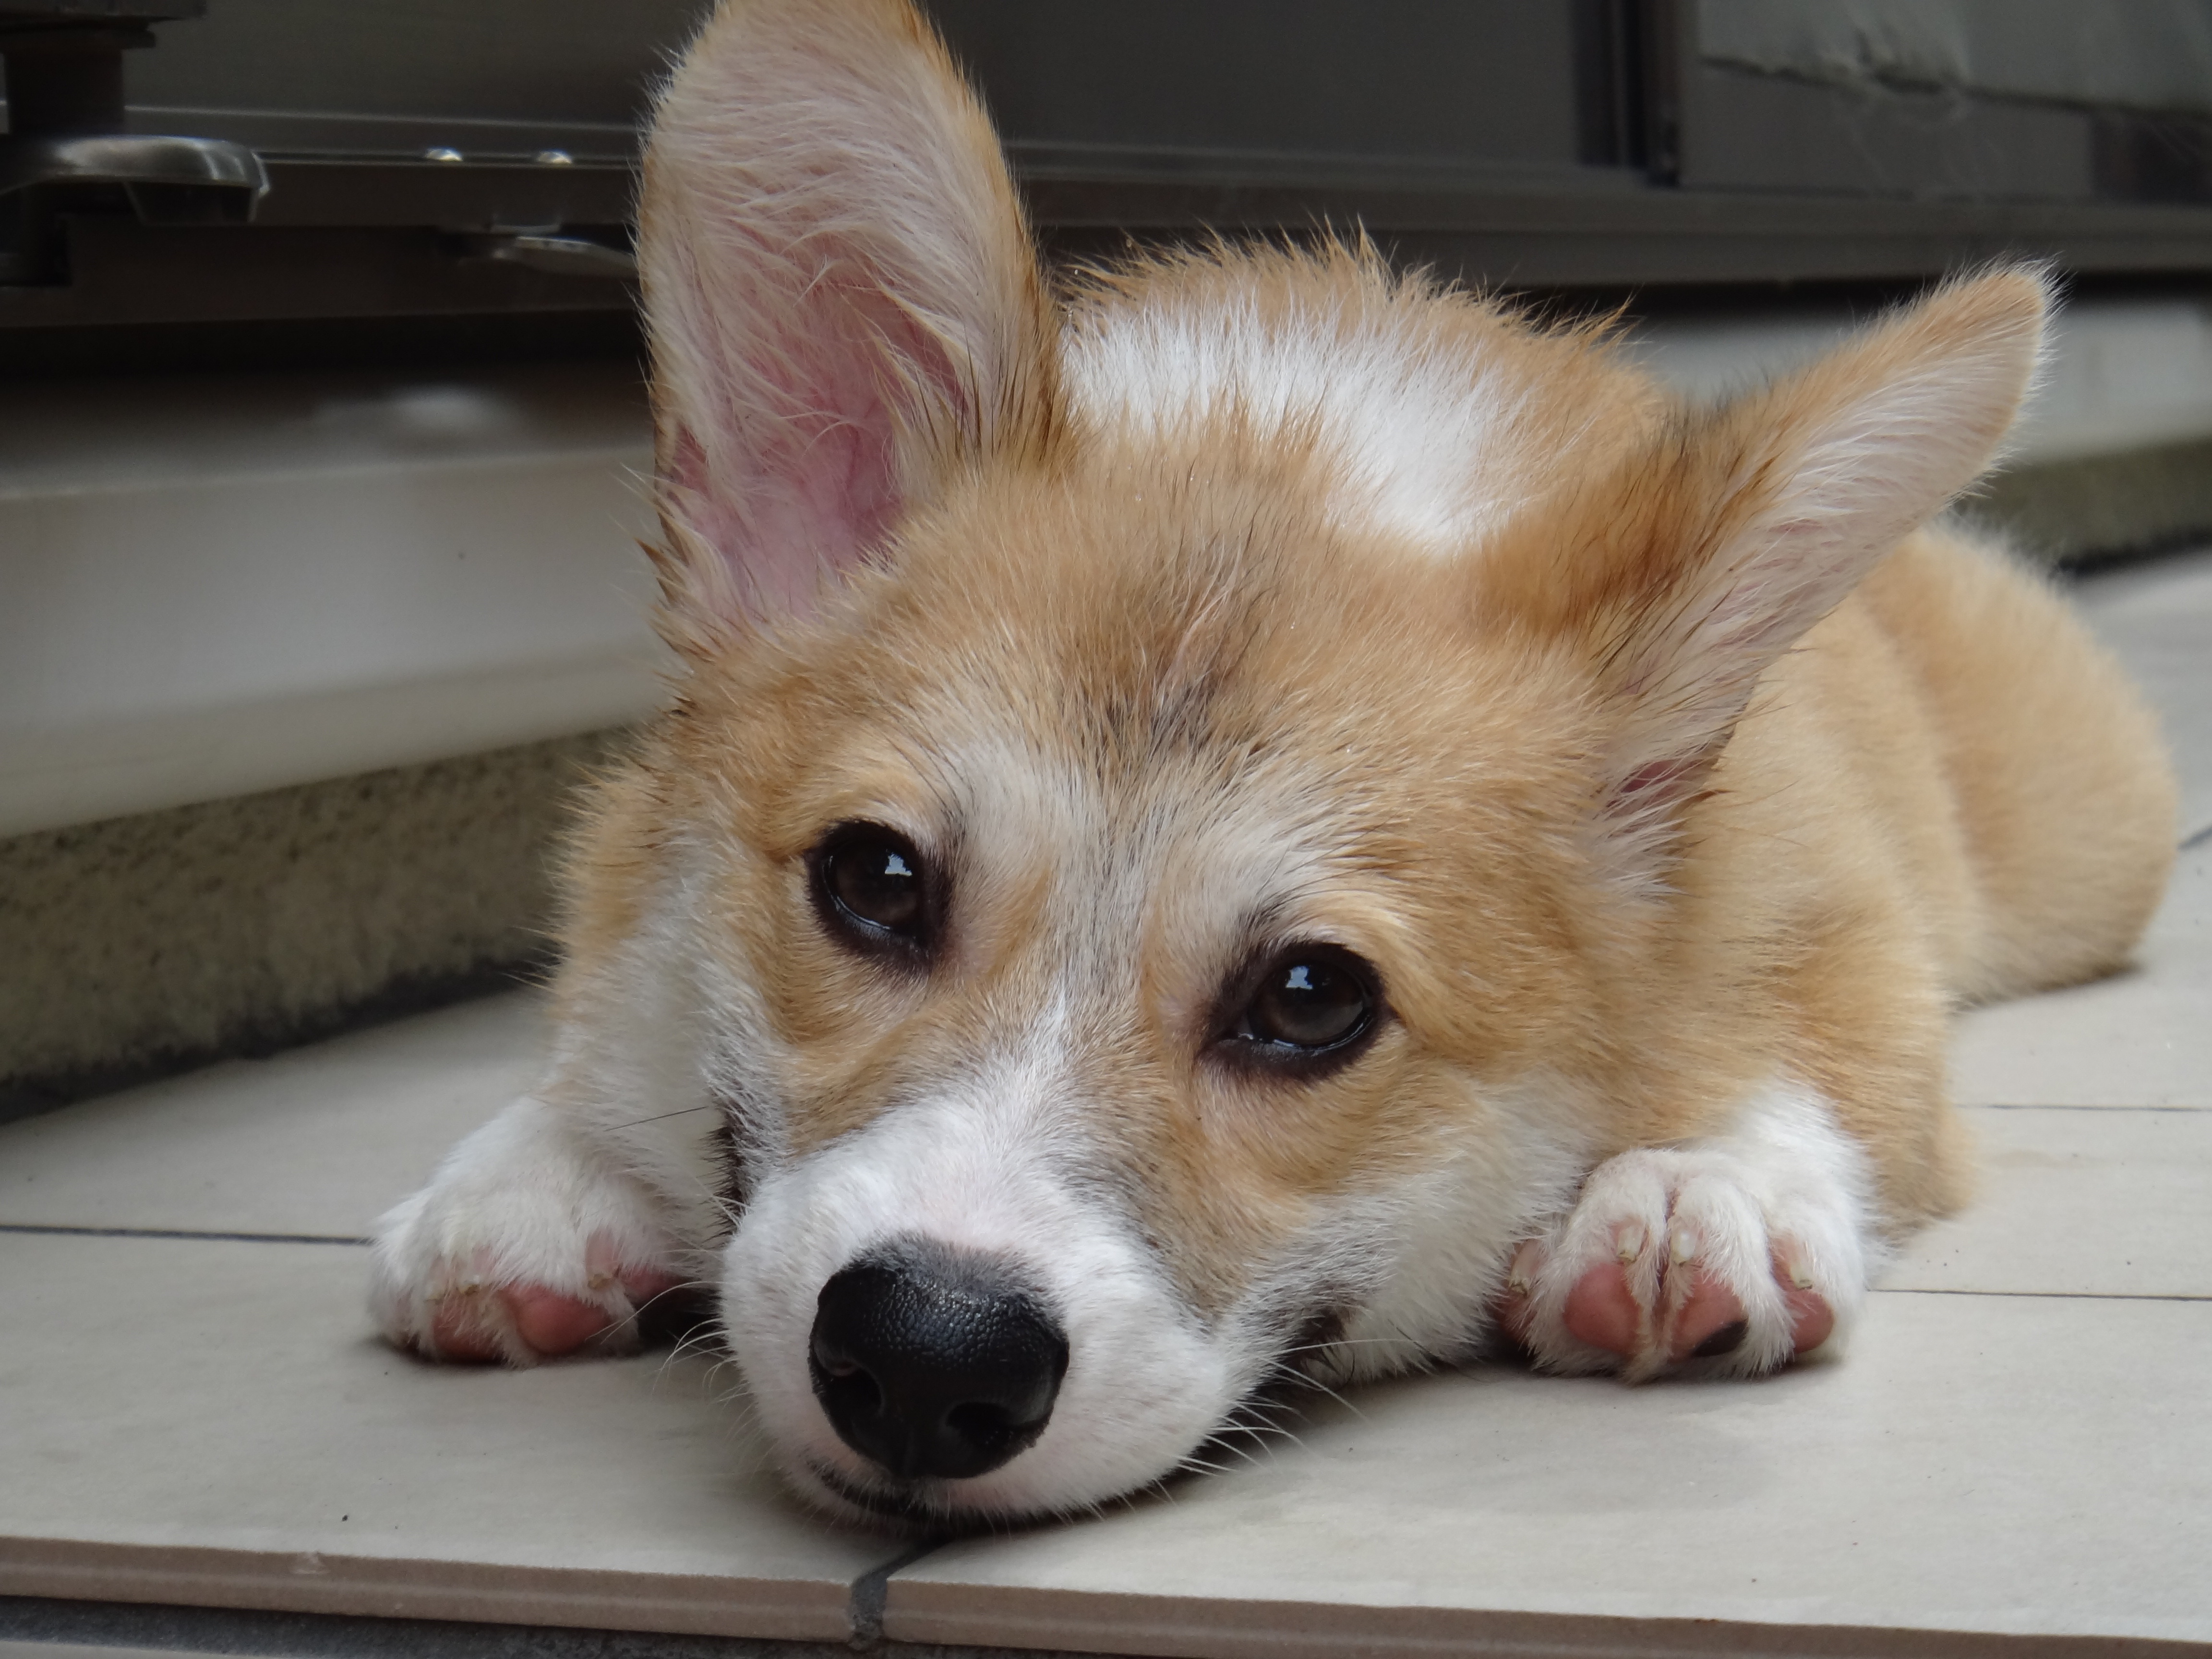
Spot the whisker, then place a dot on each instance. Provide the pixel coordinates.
(1304, 1380)
(706, 1339)
(1344, 1342)
(662, 1117)
(1260, 1430)
(1251, 1457)
(1256, 1430)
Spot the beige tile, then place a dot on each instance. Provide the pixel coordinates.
(2076, 1202)
(210, 1423)
(1981, 1464)
(2143, 1038)
(317, 1140)
(2157, 617)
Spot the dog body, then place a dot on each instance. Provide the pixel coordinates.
(1268, 819)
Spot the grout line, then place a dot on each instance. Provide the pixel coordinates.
(2196, 838)
(872, 1590)
(2054, 1106)
(178, 1232)
(2045, 1295)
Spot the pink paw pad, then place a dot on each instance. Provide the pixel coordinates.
(1692, 1315)
(483, 1322)
(1706, 1323)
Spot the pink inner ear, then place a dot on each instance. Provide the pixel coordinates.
(1657, 778)
(808, 480)
(1657, 787)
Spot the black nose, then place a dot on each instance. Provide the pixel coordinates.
(934, 1362)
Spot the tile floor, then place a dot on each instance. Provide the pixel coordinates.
(2017, 1457)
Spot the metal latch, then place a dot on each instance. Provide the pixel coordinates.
(65, 137)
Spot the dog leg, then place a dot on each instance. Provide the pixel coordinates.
(526, 1243)
(1725, 1256)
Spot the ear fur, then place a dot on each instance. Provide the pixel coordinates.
(1706, 557)
(842, 296)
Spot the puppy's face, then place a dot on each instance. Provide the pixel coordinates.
(1103, 958)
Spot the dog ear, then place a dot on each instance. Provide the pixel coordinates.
(1712, 553)
(842, 294)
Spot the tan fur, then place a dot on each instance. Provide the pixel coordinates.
(1945, 793)
(1656, 759)
(1164, 621)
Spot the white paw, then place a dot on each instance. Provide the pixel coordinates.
(524, 1245)
(1723, 1257)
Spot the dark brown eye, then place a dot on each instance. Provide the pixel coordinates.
(874, 886)
(1311, 1001)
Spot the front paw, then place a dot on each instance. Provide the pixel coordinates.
(1705, 1260)
(523, 1247)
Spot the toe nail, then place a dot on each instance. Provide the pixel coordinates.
(1727, 1339)
(1684, 1245)
(1800, 1277)
(1628, 1243)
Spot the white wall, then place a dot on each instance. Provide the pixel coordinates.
(210, 588)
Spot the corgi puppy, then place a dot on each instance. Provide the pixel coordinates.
(1256, 818)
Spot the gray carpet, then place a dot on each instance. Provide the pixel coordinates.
(143, 945)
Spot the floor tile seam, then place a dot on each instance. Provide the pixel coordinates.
(2049, 1106)
(2196, 838)
(2182, 1299)
(52, 1230)
(869, 1594)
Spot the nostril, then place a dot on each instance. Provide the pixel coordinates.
(855, 1392)
(933, 1362)
(982, 1423)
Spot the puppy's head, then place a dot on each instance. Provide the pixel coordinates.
(1156, 825)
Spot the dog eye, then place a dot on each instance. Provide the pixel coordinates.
(873, 885)
(1311, 1001)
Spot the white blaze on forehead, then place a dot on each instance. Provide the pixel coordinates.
(1172, 857)
(1422, 429)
